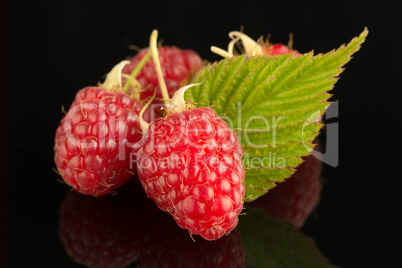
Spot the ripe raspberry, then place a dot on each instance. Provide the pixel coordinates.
(94, 141)
(294, 200)
(279, 49)
(178, 68)
(190, 164)
(105, 231)
(167, 245)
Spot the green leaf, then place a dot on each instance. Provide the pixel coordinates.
(271, 243)
(273, 102)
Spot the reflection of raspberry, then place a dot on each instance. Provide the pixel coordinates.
(94, 141)
(294, 199)
(105, 231)
(178, 67)
(166, 245)
(190, 164)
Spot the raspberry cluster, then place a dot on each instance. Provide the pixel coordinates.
(189, 162)
(94, 141)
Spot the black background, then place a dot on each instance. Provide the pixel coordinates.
(56, 48)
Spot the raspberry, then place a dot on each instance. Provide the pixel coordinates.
(279, 49)
(294, 200)
(94, 141)
(104, 231)
(178, 67)
(190, 164)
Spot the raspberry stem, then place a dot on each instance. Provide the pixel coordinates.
(137, 69)
(144, 124)
(155, 56)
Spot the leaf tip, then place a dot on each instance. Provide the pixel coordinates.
(365, 32)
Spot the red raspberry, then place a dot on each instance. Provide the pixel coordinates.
(104, 231)
(190, 164)
(178, 68)
(279, 49)
(167, 245)
(294, 200)
(95, 139)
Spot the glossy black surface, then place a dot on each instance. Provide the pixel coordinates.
(57, 47)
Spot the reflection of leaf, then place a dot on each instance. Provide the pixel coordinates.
(276, 102)
(271, 243)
